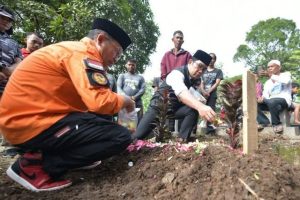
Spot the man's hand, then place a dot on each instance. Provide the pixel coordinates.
(9, 70)
(260, 99)
(129, 104)
(263, 73)
(205, 94)
(204, 111)
(207, 113)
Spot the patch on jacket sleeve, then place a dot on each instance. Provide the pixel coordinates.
(96, 73)
(97, 78)
(93, 65)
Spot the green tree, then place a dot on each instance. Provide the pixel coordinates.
(147, 95)
(294, 65)
(275, 38)
(59, 20)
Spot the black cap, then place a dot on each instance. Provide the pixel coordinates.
(113, 30)
(4, 11)
(202, 56)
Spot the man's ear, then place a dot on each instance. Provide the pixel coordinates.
(190, 61)
(100, 38)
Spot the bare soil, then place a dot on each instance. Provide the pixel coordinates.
(166, 173)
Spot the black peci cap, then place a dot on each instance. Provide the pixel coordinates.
(113, 30)
(202, 56)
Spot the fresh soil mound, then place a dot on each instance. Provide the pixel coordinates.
(167, 173)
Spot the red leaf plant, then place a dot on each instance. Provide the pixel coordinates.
(164, 109)
(231, 100)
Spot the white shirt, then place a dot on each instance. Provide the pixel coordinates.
(279, 86)
(176, 80)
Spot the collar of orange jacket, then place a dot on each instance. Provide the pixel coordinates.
(91, 48)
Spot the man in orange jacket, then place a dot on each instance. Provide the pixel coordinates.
(53, 105)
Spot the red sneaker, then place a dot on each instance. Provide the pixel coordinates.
(33, 157)
(29, 173)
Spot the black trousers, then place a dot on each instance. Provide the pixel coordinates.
(77, 140)
(275, 106)
(211, 101)
(171, 124)
(188, 115)
(140, 113)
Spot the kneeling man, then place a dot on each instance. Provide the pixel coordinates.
(182, 103)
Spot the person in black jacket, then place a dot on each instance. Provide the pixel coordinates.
(183, 104)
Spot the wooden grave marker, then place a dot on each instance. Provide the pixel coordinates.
(250, 137)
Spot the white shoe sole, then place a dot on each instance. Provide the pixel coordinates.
(27, 185)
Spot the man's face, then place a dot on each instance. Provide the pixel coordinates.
(131, 67)
(213, 60)
(295, 90)
(5, 23)
(196, 69)
(111, 50)
(273, 69)
(178, 40)
(33, 43)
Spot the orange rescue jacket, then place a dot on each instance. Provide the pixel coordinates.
(49, 84)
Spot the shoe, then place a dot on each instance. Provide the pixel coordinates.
(30, 174)
(211, 132)
(11, 152)
(260, 127)
(180, 140)
(92, 166)
(278, 128)
(194, 131)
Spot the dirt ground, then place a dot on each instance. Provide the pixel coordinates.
(217, 172)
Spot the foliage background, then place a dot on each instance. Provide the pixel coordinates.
(275, 38)
(61, 20)
(147, 96)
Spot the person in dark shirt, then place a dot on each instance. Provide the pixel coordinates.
(295, 106)
(112, 82)
(132, 85)
(10, 55)
(155, 83)
(211, 79)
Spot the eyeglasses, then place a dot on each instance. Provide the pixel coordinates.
(116, 46)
